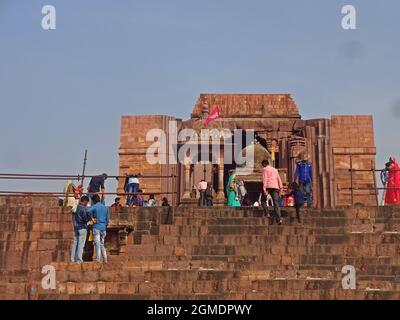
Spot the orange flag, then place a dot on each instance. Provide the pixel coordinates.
(215, 114)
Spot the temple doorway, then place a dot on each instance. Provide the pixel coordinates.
(253, 190)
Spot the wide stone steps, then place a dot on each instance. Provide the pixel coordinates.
(202, 253)
(163, 286)
(250, 258)
(292, 295)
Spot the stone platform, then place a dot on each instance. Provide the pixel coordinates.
(196, 253)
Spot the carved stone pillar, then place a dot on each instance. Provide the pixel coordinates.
(186, 185)
(221, 194)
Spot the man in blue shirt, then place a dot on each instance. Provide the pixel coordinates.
(304, 174)
(80, 219)
(101, 218)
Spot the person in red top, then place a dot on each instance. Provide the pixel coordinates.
(272, 184)
(393, 183)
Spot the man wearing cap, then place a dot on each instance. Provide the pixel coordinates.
(304, 175)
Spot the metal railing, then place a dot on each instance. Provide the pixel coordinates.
(373, 171)
(78, 177)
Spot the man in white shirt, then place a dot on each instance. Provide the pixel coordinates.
(132, 187)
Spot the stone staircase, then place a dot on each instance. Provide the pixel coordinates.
(220, 253)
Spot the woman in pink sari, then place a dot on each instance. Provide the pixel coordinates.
(393, 183)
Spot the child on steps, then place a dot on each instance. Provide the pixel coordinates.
(295, 192)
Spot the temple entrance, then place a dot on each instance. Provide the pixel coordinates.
(253, 190)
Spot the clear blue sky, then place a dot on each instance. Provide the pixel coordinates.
(65, 90)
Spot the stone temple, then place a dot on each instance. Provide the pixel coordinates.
(341, 250)
(333, 145)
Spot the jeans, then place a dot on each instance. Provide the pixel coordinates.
(275, 200)
(202, 201)
(98, 238)
(78, 244)
(306, 189)
(132, 189)
(298, 207)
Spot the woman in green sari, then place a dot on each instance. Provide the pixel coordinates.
(231, 191)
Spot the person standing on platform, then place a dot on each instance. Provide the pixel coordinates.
(208, 195)
(393, 183)
(132, 185)
(70, 200)
(272, 184)
(384, 180)
(101, 217)
(231, 191)
(80, 220)
(96, 187)
(202, 187)
(304, 176)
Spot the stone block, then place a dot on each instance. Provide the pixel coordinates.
(85, 288)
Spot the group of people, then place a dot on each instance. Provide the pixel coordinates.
(96, 186)
(390, 178)
(135, 195)
(141, 202)
(89, 224)
(273, 191)
(90, 216)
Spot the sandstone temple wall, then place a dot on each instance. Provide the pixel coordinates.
(333, 145)
(353, 146)
(132, 155)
